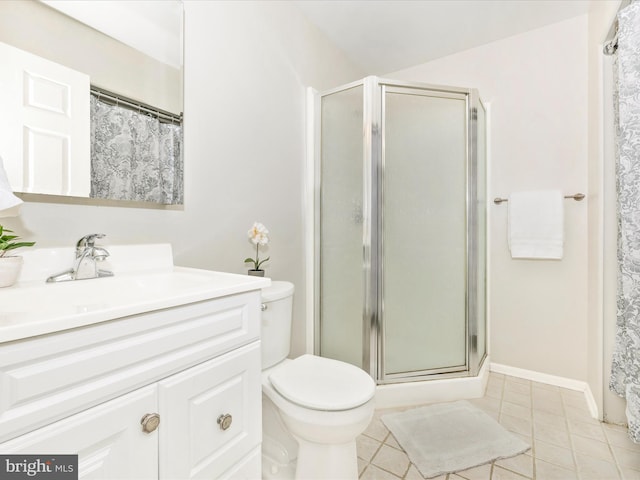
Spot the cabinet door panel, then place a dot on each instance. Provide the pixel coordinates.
(108, 439)
(193, 443)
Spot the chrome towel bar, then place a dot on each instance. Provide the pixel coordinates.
(576, 196)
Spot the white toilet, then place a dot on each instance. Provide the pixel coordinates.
(313, 408)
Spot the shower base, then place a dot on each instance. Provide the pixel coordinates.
(433, 391)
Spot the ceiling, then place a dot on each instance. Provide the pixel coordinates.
(383, 36)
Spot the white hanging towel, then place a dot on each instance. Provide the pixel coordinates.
(536, 224)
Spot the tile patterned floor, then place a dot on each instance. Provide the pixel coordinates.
(566, 443)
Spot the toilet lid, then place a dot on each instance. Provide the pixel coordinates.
(322, 383)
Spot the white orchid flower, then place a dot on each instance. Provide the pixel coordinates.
(258, 235)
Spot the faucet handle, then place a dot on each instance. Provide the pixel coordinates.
(89, 240)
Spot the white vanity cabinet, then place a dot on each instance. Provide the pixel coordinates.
(88, 390)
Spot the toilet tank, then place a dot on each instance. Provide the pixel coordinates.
(277, 310)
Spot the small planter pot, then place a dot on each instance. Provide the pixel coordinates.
(256, 273)
(10, 270)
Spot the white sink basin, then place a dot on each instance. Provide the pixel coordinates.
(34, 307)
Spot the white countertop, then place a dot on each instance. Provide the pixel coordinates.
(140, 284)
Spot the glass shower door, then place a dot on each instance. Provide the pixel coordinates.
(477, 310)
(423, 228)
(341, 279)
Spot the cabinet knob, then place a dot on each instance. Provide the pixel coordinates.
(150, 422)
(225, 421)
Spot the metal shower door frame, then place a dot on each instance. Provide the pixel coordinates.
(413, 88)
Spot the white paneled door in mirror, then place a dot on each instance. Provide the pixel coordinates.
(44, 124)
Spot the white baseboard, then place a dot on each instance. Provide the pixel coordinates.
(563, 382)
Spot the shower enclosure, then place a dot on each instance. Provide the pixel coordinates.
(400, 228)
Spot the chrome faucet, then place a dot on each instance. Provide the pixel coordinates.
(85, 265)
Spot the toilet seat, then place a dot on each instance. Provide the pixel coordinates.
(322, 383)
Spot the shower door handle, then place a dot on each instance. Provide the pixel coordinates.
(357, 215)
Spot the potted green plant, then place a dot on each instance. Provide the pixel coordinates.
(10, 265)
(258, 235)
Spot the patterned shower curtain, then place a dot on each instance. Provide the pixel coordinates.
(625, 375)
(134, 156)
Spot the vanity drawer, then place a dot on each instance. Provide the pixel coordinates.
(46, 378)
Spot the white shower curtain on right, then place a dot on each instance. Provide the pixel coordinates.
(625, 374)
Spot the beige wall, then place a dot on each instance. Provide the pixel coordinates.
(247, 65)
(536, 84)
(41, 30)
(613, 406)
(600, 125)
(602, 217)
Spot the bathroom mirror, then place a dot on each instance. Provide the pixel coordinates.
(131, 49)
